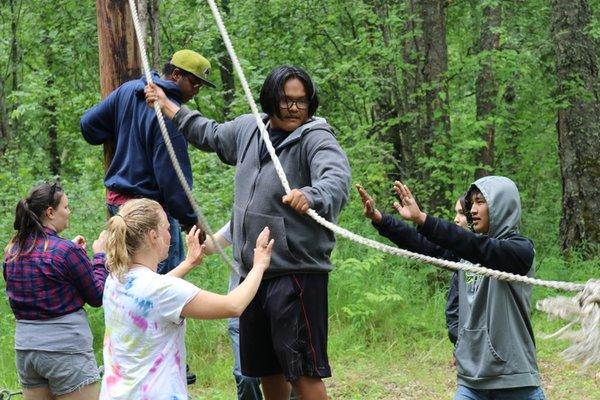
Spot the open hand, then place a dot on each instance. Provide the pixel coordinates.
(195, 250)
(369, 210)
(408, 207)
(263, 250)
(296, 200)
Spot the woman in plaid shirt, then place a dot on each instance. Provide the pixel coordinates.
(48, 281)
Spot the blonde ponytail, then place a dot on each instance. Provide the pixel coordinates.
(127, 233)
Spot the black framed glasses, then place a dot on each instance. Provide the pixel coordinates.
(287, 103)
(193, 80)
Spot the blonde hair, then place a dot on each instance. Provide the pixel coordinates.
(127, 233)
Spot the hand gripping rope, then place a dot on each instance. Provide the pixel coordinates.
(584, 308)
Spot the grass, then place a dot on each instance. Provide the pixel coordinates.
(390, 355)
(387, 338)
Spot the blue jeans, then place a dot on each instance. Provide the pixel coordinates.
(522, 393)
(176, 251)
(247, 388)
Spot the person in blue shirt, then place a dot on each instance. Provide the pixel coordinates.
(141, 166)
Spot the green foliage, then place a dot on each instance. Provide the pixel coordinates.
(383, 310)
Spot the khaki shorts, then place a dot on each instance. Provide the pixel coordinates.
(62, 373)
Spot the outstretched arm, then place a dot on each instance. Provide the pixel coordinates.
(404, 236)
(194, 255)
(207, 305)
(203, 133)
(514, 255)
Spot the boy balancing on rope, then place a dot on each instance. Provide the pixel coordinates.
(495, 351)
(283, 333)
(144, 348)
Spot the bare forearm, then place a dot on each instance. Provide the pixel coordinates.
(242, 295)
(181, 270)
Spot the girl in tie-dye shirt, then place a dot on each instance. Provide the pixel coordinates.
(144, 346)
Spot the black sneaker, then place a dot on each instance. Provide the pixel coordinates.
(190, 376)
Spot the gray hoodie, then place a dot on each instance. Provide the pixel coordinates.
(313, 162)
(496, 347)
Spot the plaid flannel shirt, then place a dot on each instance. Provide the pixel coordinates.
(55, 278)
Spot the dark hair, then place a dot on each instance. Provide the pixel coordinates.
(469, 203)
(272, 91)
(29, 214)
(466, 209)
(168, 69)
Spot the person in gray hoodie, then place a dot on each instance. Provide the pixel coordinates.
(495, 351)
(283, 333)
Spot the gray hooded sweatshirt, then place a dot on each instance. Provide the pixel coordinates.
(313, 162)
(496, 346)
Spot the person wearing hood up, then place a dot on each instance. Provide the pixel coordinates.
(141, 166)
(495, 352)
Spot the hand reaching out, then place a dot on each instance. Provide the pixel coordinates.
(369, 210)
(408, 207)
(195, 251)
(263, 250)
(154, 94)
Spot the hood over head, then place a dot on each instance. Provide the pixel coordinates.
(503, 201)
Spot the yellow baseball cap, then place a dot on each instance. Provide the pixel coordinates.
(194, 63)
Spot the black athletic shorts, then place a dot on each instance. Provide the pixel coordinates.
(284, 329)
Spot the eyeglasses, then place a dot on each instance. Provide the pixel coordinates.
(195, 82)
(287, 103)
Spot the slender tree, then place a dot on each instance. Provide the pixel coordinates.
(578, 123)
(486, 87)
(15, 59)
(225, 69)
(4, 129)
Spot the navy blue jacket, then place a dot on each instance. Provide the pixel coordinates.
(141, 165)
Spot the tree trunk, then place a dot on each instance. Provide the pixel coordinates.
(153, 13)
(15, 12)
(437, 120)
(4, 129)
(49, 104)
(118, 51)
(417, 96)
(486, 87)
(578, 124)
(226, 69)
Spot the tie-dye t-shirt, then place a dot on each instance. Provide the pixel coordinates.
(144, 346)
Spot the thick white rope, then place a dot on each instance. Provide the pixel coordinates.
(590, 304)
(477, 269)
(169, 145)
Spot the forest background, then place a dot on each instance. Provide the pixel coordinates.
(435, 93)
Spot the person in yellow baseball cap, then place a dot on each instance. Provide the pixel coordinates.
(141, 167)
(189, 70)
